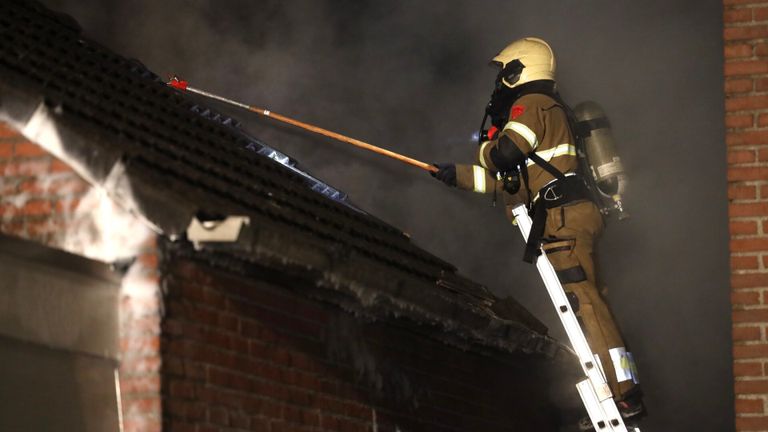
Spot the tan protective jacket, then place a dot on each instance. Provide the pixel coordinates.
(536, 123)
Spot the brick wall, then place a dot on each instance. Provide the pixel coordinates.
(44, 200)
(746, 91)
(247, 355)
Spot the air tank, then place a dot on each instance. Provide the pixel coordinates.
(603, 160)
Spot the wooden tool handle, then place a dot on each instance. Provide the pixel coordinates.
(346, 139)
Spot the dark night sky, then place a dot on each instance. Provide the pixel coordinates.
(412, 76)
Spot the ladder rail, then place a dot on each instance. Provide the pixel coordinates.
(594, 390)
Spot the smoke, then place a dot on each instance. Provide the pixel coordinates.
(411, 76)
(101, 230)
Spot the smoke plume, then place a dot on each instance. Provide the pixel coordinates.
(411, 76)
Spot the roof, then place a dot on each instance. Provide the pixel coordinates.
(169, 158)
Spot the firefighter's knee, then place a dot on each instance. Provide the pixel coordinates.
(580, 291)
(565, 262)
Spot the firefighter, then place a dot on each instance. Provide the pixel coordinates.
(529, 156)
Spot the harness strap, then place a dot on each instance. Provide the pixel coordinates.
(548, 167)
(564, 189)
(571, 275)
(558, 193)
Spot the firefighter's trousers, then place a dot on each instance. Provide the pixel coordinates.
(569, 240)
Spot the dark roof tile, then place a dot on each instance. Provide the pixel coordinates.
(206, 163)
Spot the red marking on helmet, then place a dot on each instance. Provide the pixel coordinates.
(492, 132)
(517, 111)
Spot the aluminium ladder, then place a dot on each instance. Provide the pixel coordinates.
(594, 391)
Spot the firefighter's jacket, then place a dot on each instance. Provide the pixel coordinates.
(537, 123)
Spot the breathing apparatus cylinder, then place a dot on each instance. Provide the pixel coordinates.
(603, 161)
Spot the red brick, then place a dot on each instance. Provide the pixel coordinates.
(737, 15)
(58, 166)
(761, 49)
(146, 405)
(743, 227)
(148, 259)
(43, 230)
(272, 390)
(734, 51)
(760, 14)
(749, 406)
(269, 409)
(741, 85)
(195, 371)
(742, 192)
(25, 167)
(182, 389)
(739, 121)
(142, 424)
(13, 227)
(747, 209)
(177, 425)
(750, 316)
(347, 425)
(749, 280)
(267, 297)
(749, 262)
(761, 84)
(764, 192)
(139, 365)
(57, 185)
(6, 131)
(747, 138)
(145, 324)
(746, 32)
(278, 322)
(751, 423)
(751, 333)
(748, 369)
(6, 150)
(239, 420)
(184, 410)
(741, 156)
(35, 208)
(751, 386)
(140, 384)
(750, 245)
(195, 313)
(28, 149)
(9, 186)
(310, 418)
(747, 173)
(146, 344)
(743, 103)
(218, 415)
(762, 155)
(67, 205)
(746, 67)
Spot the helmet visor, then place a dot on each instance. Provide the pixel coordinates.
(510, 73)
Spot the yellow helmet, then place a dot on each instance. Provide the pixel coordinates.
(525, 60)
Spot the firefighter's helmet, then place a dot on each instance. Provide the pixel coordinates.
(525, 60)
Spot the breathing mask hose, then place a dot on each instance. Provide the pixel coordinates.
(482, 135)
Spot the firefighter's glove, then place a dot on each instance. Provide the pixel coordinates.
(446, 173)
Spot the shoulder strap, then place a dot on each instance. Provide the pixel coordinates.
(548, 167)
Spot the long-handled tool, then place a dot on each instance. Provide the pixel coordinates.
(180, 84)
